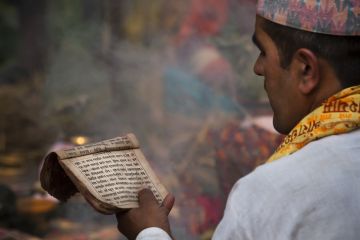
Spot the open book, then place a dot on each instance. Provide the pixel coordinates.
(109, 174)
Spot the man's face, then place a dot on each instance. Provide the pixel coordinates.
(278, 82)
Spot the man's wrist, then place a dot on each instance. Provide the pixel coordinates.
(153, 233)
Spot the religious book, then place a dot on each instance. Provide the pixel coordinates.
(109, 174)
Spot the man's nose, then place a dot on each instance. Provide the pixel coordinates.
(258, 68)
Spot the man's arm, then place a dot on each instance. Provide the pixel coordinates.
(149, 214)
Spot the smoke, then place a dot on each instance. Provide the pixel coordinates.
(177, 88)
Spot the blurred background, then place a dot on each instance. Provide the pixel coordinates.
(177, 73)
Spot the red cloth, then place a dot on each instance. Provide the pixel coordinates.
(213, 210)
(205, 18)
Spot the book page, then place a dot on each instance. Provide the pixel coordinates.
(116, 177)
(120, 143)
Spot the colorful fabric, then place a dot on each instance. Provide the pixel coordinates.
(338, 114)
(239, 150)
(334, 17)
(205, 18)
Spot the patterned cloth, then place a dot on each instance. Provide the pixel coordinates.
(338, 114)
(239, 150)
(334, 17)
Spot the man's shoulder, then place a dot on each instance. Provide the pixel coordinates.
(318, 182)
(319, 170)
(321, 159)
(342, 149)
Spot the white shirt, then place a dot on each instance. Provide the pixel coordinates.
(312, 194)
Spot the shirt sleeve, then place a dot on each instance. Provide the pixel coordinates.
(247, 209)
(232, 225)
(153, 233)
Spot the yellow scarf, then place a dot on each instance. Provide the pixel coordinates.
(338, 114)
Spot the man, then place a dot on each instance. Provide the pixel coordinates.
(310, 187)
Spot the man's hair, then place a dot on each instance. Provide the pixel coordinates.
(341, 52)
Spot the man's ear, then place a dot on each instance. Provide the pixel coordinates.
(307, 70)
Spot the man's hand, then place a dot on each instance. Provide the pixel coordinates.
(149, 214)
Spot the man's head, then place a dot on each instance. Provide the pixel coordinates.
(301, 68)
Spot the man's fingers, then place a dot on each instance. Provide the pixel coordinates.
(149, 214)
(120, 214)
(168, 203)
(147, 197)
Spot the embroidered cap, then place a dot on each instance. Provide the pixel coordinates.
(334, 17)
